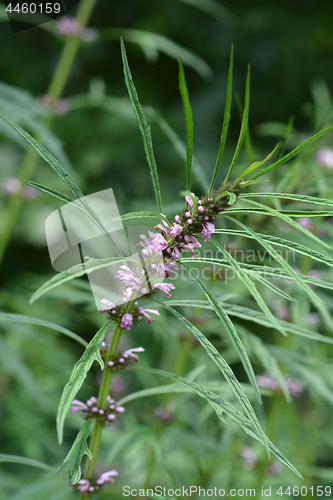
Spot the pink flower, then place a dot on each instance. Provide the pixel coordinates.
(190, 200)
(126, 321)
(106, 477)
(78, 405)
(209, 228)
(305, 222)
(69, 26)
(145, 311)
(174, 230)
(325, 157)
(131, 352)
(130, 281)
(249, 457)
(165, 287)
(107, 305)
(83, 485)
(156, 243)
(191, 243)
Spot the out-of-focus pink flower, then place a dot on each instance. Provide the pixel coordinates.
(324, 157)
(146, 311)
(305, 222)
(69, 26)
(249, 457)
(12, 185)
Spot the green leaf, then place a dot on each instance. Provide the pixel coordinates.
(74, 457)
(138, 215)
(144, 128)
(19, 318)
(281, 260)
(243, 126)
(226, 120)
(254, 272)
(76, 271)
(288, 196)
(198, 171)
(221, 406)
(226, 371)
(151, 43)
(290, 213)
(254, 166)
(25, 461)
(250, 286)
(43, 153)
(78, 375)
(292, 153)
(188, 123)
(281, 242)
(255, 316)
(52, 192)
(233, 335)
(289, 221)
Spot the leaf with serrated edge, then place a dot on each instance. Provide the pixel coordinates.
(188, 123)
(289, 221)
(74, 457)
(226, 120)
(144, 128)
(281, 242)
(226, 371)
(78, 375)
(75, 272)
(19, 318)
(279, 259)
(221, 406)
(52, 192)
(250, 286)
(288, 196)
(233, 335)
(243, 126)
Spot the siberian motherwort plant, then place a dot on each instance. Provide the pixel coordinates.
(173, 244)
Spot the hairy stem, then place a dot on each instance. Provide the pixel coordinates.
(55, 91)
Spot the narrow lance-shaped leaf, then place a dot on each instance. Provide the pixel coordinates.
(288, 196)
(66, 178)
(226, 120)
(226, 371)
(288, 220)
(279, 259)
(52, 192)
(25, 461)
(74, 457)
(144, 128)
(43, 153)
(292, 153)
(250, 286)
(76, 271)
(221, 406)
(256, 316)
(254, 166)
(233, 335)
(19, 318)
(282, 242)
(243, 126)
(188, 123)
(78, 375)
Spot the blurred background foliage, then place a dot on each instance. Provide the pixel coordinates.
(289, 46)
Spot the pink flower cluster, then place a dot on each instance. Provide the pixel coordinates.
(90, 410)
(84, 486)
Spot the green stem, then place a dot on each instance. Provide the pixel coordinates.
(55, 90)
(104, 391)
